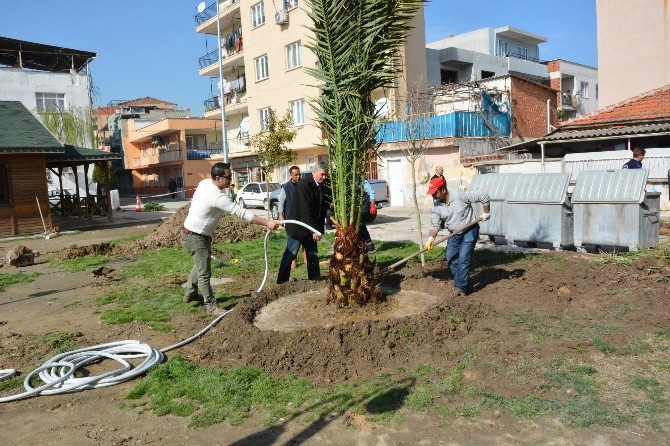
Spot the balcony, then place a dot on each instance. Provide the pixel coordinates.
(457, 124)
(239, 145)
(209, 63)
(206, 20)
(236, 103)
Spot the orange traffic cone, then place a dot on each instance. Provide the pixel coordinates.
(138, 204)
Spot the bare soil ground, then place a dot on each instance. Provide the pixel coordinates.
(523, 316)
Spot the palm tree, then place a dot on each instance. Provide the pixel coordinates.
(357, 45)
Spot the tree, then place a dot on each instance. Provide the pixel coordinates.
(417, 128)
(103, 174)
(357, 46)
(270, 145)
(72, 126)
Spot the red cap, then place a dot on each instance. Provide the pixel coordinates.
(435, 184)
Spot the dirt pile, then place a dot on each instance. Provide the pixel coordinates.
(231, 229)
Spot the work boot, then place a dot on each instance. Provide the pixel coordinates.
(192, 298)
(215, 310)
(460, 293)
(371, 248)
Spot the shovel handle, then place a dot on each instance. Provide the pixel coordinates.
(437, 242)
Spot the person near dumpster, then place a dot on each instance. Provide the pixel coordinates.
(453, 212)
(309, 208)
(208, 205)
(636, 161)
(368, 213)
(287, 197)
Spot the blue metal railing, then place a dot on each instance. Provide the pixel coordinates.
(455, 124)
(210, 11)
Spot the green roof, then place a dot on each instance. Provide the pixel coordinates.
(22, 132)
(75, 154)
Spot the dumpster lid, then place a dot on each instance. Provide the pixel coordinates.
(495, 184)
(542, 188)
(610, 186)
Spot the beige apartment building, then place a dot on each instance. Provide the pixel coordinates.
(264, 56)
(633, 48)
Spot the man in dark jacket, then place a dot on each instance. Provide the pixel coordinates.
(309, 207)
(636, 161)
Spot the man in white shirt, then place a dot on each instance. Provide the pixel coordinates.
(207, 207)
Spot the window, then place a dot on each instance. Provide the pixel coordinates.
(4, 184)
(298, 112)
(487, 74)
(290, 4)
(502, 48)
(293, 55)
(257, 15)
(261, 67)
(448, 76)
(263, 116)
(50, 101)
(522, 51)
(584, 90)
(596, 91)
(195, 142)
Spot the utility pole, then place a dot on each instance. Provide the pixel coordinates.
(223, 105)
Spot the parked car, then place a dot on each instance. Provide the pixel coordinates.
(255, 194)
(54, 195)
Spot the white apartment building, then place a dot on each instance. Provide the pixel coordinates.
(44, 77)
(263, 44)
(484, 53)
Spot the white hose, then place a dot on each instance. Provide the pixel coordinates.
(58, 373)
(265, 246)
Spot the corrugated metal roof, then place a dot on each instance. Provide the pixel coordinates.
(569, 135)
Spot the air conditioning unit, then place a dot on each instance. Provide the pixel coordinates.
(281, 17)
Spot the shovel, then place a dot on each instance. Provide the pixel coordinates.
(47, 234)
(437, 242)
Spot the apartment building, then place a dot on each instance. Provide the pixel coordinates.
(577, 88)
(44, 77)
(485, 53)
(159, 142)
(633, 48)
(264, 56)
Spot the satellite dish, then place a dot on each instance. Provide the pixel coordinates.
(201, 6)
(244, 125)
(382, 107)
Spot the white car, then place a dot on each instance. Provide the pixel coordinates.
(54, 195)
(255, 194)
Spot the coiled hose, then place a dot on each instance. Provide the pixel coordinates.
(58, 373)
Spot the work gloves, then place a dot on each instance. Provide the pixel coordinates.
(373, 209)
(485, 216)
(429, 244)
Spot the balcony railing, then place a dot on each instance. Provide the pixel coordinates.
(451, 125)
(235, 145)
(210, 11)
(519, 56)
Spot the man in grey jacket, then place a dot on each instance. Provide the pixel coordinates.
(453, 210)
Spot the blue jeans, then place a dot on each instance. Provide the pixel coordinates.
(200, 248)
(291, 252)
(459, 251)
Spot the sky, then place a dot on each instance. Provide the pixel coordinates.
(150, 47)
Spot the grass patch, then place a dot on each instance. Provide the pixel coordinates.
(12, 278)
(80, 263)
(210, 395)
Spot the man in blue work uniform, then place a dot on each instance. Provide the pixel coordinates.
(636, 161)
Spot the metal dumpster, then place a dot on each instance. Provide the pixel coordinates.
(497, 186)
(612, 208)
(539, 210)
